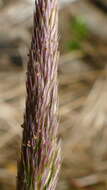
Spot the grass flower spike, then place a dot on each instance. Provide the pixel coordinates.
(39, 164)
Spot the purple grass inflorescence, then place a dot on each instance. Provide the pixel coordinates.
(39, 164)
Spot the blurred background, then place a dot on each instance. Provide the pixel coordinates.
(82, 90)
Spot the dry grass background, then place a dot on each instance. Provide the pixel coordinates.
(82, 91)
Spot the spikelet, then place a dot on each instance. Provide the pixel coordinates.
(39, 165)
